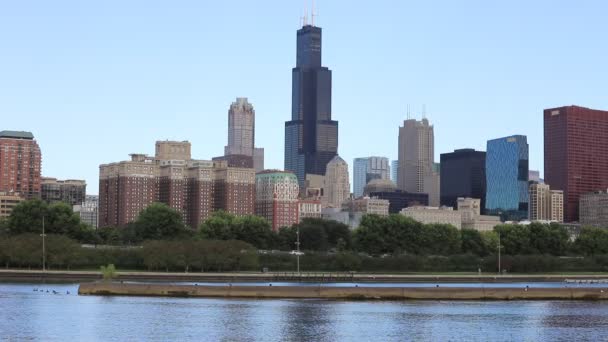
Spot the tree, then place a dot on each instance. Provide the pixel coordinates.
(592, 241)
(159, 222)
(218, 226)
(254, 230)
(473, 242)
(514, 239)
(440, 239)
(108, 272)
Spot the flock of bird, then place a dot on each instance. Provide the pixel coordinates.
(51, 291)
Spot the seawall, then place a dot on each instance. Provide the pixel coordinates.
(344, 293)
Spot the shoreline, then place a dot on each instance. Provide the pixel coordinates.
(36, 276)
(340, 293)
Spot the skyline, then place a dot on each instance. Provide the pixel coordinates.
(94, 83)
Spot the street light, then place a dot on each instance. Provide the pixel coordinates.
(298, 247)
(499, 266)
(43, 247)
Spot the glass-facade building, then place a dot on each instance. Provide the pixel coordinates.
(311, 137)
(463, 174)
(507, 177)
(394, 170)
(367, 169)
(359, 176)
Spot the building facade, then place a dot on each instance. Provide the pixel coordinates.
(309, 208)
(241, 150)
(399, 199)
(311, 137)
(277, 198)
(576, 146)
(594, 209)
(69, 191)
(507, 177)
(20, 164)
(470, 213)
(463, 175)
(394, 170)
(8, 201)
(195, 188)
(368, 169)
(416, 159)
(337, 183)
(434, 215)
(88, 210)
(359, 176)
(545, 204)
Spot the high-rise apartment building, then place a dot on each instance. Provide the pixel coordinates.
(20, 164)
(337, 184)
(277, 198)
(594, 209)
(463, 174)
(195, 188)
(70, 191)
(545, 204)
(311, 137)
(368, 169)
(416, 159)
(241, 150)
(507, 177)
(576, 150)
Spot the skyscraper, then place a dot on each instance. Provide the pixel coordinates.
(416, 159)
(507, 177)
(463, 174)
(368, 169)
(311, 137)
(20, 164)
(576, 153)
(71, 191)
(394, 171)
(545, 204)
(337, 185)
(277, 198)
(241, 136)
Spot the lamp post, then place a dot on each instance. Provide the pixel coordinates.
(43, 247)
(499, 265)
(298, 247)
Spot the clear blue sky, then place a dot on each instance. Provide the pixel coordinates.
(97, 80)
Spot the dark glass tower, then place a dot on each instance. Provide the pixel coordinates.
(311, 137)
(463, 174)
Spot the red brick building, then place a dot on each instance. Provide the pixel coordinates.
(195, 188)
(576, 153)
(20, 164)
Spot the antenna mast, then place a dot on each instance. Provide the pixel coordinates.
(305, 18)
(312, 13)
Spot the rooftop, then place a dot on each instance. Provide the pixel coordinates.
(17, 135)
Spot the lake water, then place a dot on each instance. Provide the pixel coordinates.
(29, 315)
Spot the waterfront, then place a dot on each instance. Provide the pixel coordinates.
(29, 315)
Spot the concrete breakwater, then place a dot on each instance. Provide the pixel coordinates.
(345, 293)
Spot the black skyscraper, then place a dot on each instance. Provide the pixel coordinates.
(463, 174)
(311, 137)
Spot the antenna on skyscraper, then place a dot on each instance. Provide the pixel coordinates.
(424, 111)
(408, 112)
(312, 13)
(305, 18)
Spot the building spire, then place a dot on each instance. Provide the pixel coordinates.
(312, 13)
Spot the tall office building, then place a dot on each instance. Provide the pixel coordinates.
(576, 150)
(311, 137)
(368, 169)
(195, 188)
(241, 150)
(277, 198)
(416, 159)
(507, 177)
(463, 174)
(545, 204)
(394, 171)
(20, 164)
(70, 191)
(337, 185)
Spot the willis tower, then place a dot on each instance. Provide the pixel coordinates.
(311, 137)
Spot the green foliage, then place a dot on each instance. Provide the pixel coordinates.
(108, 272)
(536, 238)
(473, 242)
(592, 241)
(250, 229)
(160, 222)
(59, 219)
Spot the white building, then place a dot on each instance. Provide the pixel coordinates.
(434, 215)
(337, 183)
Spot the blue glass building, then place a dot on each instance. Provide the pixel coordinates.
(507, 177)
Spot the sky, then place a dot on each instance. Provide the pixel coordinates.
(97, 80)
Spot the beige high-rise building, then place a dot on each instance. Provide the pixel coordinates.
(337, 183)
(173, 150)
(241, 133)
(8, 200)
(416, 159)
(545, 204)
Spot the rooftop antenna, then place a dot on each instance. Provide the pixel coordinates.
(305, 19)
(424, 111)
(312, 13)
(408, 112)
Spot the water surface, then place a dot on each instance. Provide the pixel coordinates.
(29, 315)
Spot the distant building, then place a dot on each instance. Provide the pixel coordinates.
(594, 209)
(394, 170)
(309, 208)
(359, 175)
(416, 159)
(258, 159)
(88, 210)
(277, 198)
(367, 205)
(8, 201)
(434, 215)
(69, 191)
(379, 185)
(507, 178)
(545, 204)
(463, 174)
(195, 188)
(20, 164)
(311, 136)
(576, 150)
(470, 211)
(337, 184)
(399, 199)
(534, 176)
